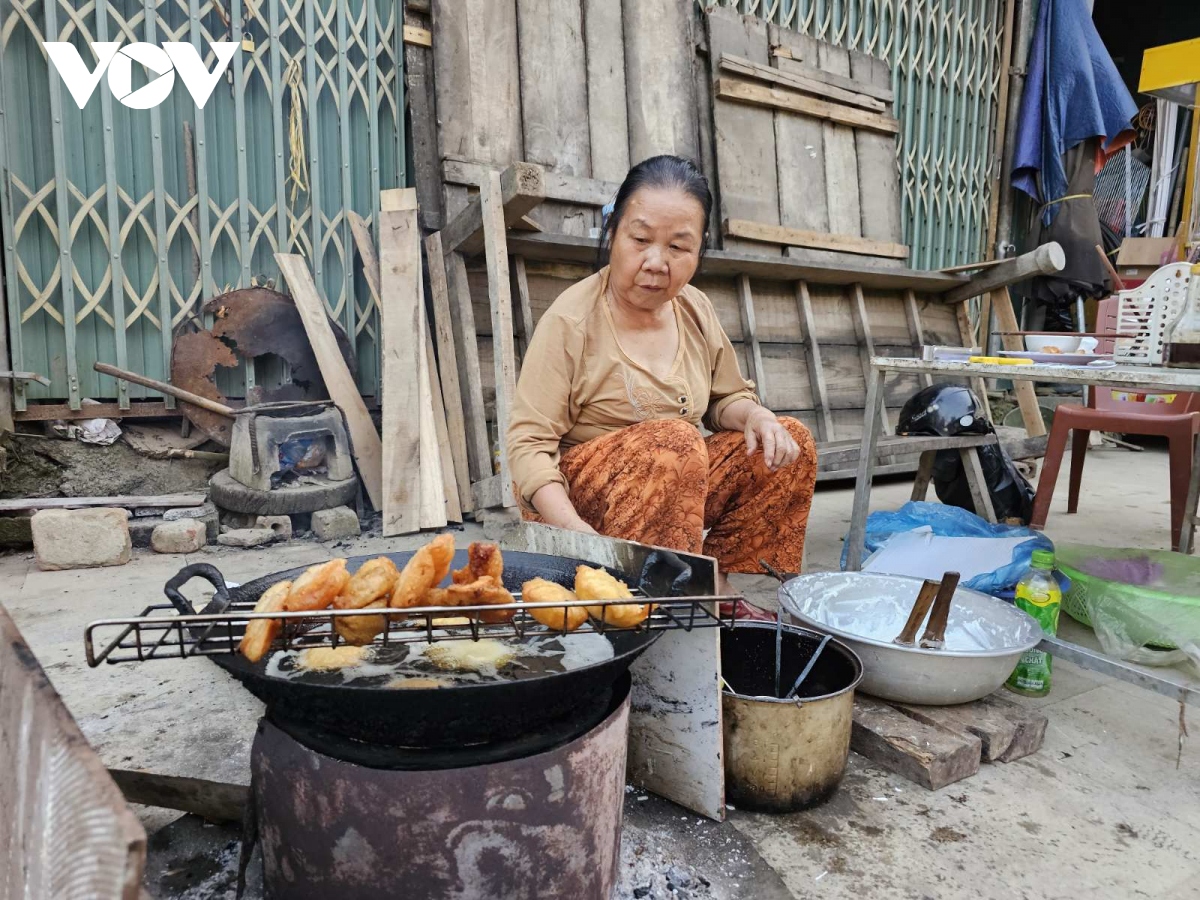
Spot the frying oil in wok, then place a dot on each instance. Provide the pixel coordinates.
(446, 663)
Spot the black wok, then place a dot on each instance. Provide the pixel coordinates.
(450, 716)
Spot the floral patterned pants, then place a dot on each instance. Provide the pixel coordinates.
(661, 482)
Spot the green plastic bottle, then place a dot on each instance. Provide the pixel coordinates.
(1040, 596)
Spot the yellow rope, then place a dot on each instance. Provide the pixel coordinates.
(297, 171)
(1063, 199)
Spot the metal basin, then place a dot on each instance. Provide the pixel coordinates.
(985, 637)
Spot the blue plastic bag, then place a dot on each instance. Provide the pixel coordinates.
(951, 521)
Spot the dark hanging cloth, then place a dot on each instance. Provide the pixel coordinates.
(1077, 227)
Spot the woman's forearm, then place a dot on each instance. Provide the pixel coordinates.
(554, 506)
(735, 416)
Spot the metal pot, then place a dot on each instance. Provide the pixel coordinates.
(785, 755)
(985, 637)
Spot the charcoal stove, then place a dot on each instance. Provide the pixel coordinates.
(287, 457)
(507, 789)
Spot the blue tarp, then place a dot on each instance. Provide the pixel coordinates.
(1072, 92)
(950, 521)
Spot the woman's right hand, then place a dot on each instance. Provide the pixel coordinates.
(553, 504)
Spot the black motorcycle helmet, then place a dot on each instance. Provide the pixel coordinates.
(944, 410)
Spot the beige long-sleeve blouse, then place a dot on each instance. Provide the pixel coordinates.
(577, 383)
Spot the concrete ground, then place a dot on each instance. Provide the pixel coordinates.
(1109, 808)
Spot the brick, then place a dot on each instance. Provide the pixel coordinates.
(281, 525)
(81, 538)
(335, 524)
(180, 536)
(246, 537)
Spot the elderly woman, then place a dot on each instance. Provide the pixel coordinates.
(624, 368)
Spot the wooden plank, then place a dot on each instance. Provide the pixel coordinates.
(215, 801)
(554, 100)
(658, 76)
(399, 324)
(740, 91)
(921, 483)
(555, 185)
(420, 95)
(421, 37)
(707, 158)
(816, 372)
(453, 506)
(479, 447)
(366, 445)
(978, 385)
(607, 114)
(478, 79)
(778, 234)
(160, 501)
(1047, 259)
(1005, 730)
(524, 310)
(67, 831)
(582, 251)
(522, 188)
(800, 151)
(500, 297)
(435, 504)
(878, 174)
(448, 369)
(744, 67)
(841, 156)
(843, 454)
(795, 65)
(433, 497)
(744, 134)
(924, 754)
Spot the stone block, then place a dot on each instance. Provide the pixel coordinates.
(335, 524)
(246, 537)
(190, 512)
(180, 536)
(81, 538)
(281, 525)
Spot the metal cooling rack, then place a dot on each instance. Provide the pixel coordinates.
(161, 633)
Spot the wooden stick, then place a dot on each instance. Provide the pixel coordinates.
(916, 616)
(161, 386)
(796, 237)
(1118, 283)
(739, 91)
(935, 634)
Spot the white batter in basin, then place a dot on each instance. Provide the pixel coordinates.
(985, 637)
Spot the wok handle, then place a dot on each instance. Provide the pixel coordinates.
(664, 574)
(209, 573)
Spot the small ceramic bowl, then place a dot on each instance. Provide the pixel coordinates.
(1063, 343)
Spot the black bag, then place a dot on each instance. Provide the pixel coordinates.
(947, 410)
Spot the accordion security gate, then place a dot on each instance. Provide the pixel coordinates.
(120, 223)
(946, 71)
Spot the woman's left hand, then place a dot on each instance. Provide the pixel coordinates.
(778, 447)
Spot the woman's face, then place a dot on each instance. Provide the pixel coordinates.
(656, 247)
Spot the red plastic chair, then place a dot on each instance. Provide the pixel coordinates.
(1122, 412)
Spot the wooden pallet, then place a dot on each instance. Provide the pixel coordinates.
(934, 746)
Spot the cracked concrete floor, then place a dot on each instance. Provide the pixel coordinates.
(1101, 811)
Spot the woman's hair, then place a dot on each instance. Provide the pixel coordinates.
(657, 172)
